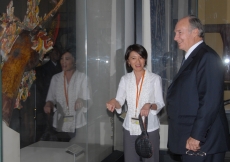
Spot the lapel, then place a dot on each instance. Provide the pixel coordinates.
(186, 63)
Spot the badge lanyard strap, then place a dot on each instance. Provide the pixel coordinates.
(66, 94)
(138, 93)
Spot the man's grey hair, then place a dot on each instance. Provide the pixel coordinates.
(196, 23)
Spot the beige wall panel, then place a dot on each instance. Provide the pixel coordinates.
(201, 10)
(215, 11)
(228, 12)
(214, 40)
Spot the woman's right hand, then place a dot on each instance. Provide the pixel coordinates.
(48, 107)
(111, 105)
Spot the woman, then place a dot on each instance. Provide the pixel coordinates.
(143, 92)
(67, 96)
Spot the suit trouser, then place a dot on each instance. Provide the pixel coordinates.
(129, 147)
(219, 157)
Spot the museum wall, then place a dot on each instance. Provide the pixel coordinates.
(214, 12)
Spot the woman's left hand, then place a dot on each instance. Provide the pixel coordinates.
(145, 109)
(78, 104)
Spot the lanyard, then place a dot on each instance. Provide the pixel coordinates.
(66, 94)
(139, 92)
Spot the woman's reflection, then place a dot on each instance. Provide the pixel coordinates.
(67, 98)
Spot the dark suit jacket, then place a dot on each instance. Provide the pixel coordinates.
(195, 103)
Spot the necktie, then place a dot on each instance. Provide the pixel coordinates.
(182, 62)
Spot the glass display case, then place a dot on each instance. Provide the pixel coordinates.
(95, 32)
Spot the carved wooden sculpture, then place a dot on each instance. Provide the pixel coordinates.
(29, 45)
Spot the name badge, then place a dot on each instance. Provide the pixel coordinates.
(135, 121)
(68, 118)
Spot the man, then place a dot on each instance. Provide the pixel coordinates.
(52, 67)
(44, 74)
(198, 128)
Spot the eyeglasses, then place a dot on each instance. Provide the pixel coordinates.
(195, 153)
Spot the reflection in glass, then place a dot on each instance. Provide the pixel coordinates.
(67, 97)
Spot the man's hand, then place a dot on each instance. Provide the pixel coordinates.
(192, 144)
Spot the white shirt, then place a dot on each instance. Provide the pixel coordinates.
(77, 88)
(191, 49)
(151, 93)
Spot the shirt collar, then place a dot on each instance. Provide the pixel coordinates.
(191, 49)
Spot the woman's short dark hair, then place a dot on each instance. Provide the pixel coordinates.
(138, 49)
(196, 23)
(72, 51)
